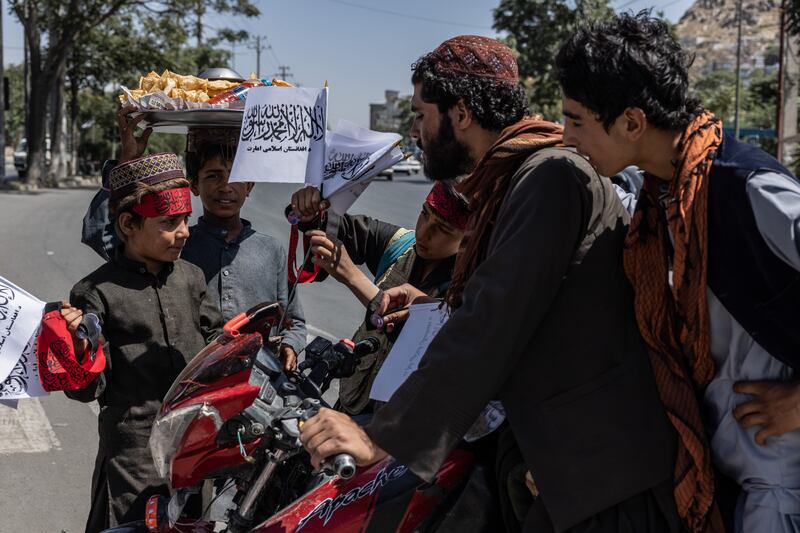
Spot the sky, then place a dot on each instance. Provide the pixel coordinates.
(361, 47)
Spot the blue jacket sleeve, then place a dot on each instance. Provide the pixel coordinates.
(98, 224)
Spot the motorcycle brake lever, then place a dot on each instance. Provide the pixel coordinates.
(298, 411)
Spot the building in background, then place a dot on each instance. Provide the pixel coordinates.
(388, 116)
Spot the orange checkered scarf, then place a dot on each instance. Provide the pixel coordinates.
(674, 320)
(486, 187)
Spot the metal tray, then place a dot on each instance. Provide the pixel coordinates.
(180, 121)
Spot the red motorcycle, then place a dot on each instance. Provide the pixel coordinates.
(231, 419)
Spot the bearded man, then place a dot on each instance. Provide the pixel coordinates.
(541, 315)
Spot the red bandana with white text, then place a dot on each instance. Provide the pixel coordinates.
(165, 203)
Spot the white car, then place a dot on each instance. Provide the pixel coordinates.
(408, 166)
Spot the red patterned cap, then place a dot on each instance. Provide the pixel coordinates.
(149, 169)
(478, 56)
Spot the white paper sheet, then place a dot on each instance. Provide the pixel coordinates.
(283, 136)
(424, 322)
(354, 156)
(20, 316)
(343, 199)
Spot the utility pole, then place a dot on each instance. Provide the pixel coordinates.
(791, 72)
(284, 72)
(258, 47)
(198, 30)
(2, 102)
(738, 67)
(779, 103)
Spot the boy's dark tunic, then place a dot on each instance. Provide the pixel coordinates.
(152, 326)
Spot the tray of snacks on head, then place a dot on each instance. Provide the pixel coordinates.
(172, 103)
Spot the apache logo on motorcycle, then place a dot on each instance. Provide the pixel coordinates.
(328, 507)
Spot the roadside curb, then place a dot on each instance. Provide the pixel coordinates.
(75, 182)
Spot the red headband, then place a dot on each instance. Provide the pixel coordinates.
(447, 206)
(165, 203)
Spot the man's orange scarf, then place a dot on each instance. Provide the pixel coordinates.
(486, 187)
(674, 320)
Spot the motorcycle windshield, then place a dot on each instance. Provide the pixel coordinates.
(226, 356)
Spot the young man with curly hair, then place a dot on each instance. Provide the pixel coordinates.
(541, 316)
(713, 254)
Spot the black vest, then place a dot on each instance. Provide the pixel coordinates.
(758, 288)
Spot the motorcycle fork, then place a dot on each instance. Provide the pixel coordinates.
(242, 518)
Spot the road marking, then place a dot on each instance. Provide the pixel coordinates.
(320, 333)
(26, 429)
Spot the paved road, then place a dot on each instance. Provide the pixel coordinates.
(47, 446)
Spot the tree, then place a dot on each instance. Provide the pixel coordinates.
(771, 56)
(406, 121)
(717, 91)
(793, 17)
(15, 116)
(130, 44)
(51, 28)
(536, 29)
(760, 104)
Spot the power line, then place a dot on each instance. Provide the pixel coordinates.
(667, 4)
(284, 73)
(258, 47)
(413, 17)
(626, 4)
(273, 54)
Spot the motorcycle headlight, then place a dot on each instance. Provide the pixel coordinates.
(168, 431)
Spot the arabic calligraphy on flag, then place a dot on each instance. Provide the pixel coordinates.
(283, 136)
(20, 316)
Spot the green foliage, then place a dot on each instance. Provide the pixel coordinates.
(406, 121)
(536, 29)
(15, 116)
(758, 100)
(794, 166)
(760, 105)
(717, 92)
(759, 96)
(96, 125)
(793, 17)
(167, 142)
(772, 55)
(108, 43)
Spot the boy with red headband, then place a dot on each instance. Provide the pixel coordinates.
(243, 267)
(155, 315)
(394, 255)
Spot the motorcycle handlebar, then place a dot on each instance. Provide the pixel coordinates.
(366, 347)
(343, 465)
(362, 348)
